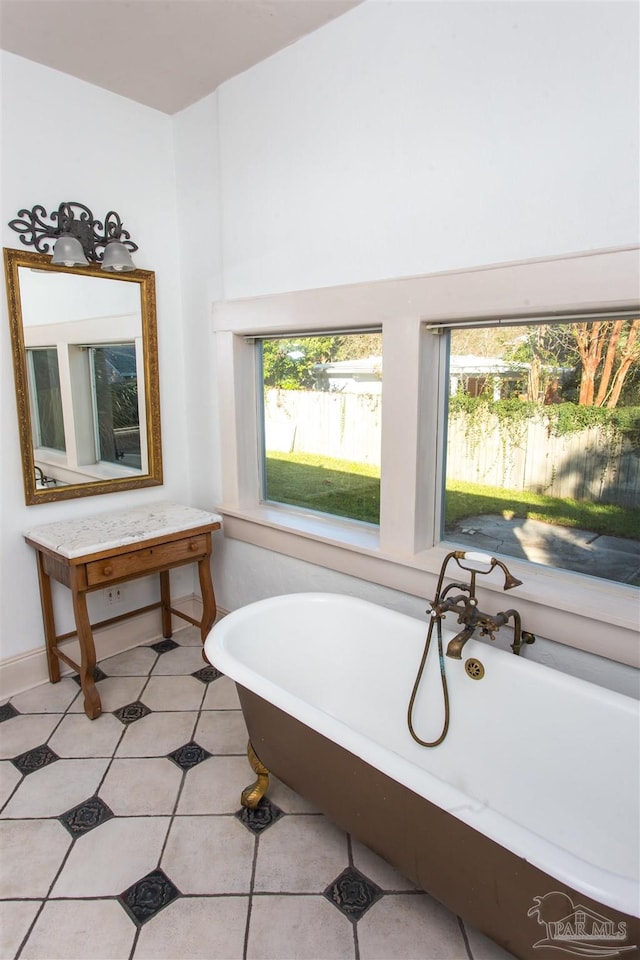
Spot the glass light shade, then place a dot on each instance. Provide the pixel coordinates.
(68, 252)
(117, 258)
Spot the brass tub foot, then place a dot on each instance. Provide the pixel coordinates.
(252, 795)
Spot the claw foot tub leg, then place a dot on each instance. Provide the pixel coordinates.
(253, 794)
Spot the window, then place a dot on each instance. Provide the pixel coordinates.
(423, 392)
(321, 419)
(543, 444)
(46, 400)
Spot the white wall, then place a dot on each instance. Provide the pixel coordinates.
(412, 137)
(65, 140)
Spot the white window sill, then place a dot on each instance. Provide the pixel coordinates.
(595, 615)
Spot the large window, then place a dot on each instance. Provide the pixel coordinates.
(322, 405)
(543, 444)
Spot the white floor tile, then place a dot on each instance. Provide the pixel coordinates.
(410, 927)
(110, 858)
(137, 662)
(209, 855)
(81, 930)
(157, 734)
(137, 787)
(214, 786)
(174, 693)
(56, 788)
(115, 692)
(45, 842)
(196, 928)
(378, 870)
(298, 928)
(188, 636)
(183, 660)
(47, 697)
(23, 733)
(76, 736)
(16, 916)
(222, 731)
(10, 777)
(300, 854)
(221, 695)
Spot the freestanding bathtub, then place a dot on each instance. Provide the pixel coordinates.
(524, 821)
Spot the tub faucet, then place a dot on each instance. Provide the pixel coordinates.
(465, 605)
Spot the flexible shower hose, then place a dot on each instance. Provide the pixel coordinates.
(443, 679)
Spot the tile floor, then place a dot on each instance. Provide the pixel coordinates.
(124, 837)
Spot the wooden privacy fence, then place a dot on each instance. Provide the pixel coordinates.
(342, 425)
(589, 465)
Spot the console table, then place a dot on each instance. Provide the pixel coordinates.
(95, 553)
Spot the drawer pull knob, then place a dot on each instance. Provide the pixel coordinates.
(107, 570)
(193, 546)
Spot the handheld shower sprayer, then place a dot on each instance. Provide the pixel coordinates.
(470, 617)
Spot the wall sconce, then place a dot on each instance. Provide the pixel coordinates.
(79, 237)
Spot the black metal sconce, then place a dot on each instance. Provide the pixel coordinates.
(79, 237)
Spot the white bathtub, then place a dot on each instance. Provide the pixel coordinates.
(545, 765)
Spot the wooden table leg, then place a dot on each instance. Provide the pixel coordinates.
(92, 704)
(51, 640)
(209, 608)
(165, 600)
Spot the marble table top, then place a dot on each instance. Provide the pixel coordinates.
(118, 528)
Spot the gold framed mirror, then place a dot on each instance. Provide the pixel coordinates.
(85, 360)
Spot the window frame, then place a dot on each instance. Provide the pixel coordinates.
(262, 448)
(404, 552)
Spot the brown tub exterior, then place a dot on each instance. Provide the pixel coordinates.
(472, 875)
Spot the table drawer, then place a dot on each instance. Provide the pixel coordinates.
(147, 560)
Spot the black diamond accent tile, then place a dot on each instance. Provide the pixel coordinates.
(352, 893)
(148, 896)
(98, 675)
(260, 819)
(189, 755)
(35, 759)
(7, 711)
(86, 816)
(207, 674)
(132, 712)
(164, 646)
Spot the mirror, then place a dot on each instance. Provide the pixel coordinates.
(85, 361)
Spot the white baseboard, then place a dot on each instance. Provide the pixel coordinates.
(27, 670)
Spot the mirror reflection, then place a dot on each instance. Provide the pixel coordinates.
(85, 362)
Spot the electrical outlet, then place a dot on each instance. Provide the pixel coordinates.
(113, 595)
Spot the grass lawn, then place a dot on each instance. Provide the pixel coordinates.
(472, 499)
(347, 489)
(339, 487)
